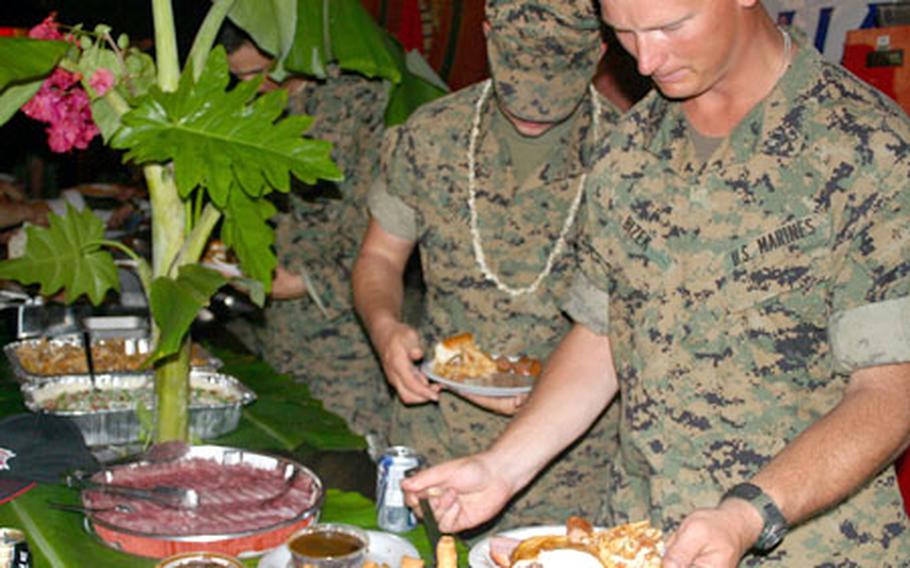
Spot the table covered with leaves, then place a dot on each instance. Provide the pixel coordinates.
(284, 420)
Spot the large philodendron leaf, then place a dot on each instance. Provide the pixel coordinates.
(222, 139)
(246, 231)
(174, 304)
(66, 255)
(270, 23)
(25, 59)
(359, 44)
(347, 35)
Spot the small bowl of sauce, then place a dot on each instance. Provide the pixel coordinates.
(329, 545)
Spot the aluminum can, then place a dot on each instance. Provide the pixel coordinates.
(14, 552)
(391, 512)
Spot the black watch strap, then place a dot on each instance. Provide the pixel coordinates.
(775, 525)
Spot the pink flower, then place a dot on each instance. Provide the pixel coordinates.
(62, 103)
(46, 29)
(101, 81)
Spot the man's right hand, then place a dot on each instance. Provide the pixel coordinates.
(463, 493)
(399, 348)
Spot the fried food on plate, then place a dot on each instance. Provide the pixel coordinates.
(458, 358)
(633, 545)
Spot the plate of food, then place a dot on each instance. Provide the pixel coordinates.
(576, 544)
(460, 364)
(385, 549)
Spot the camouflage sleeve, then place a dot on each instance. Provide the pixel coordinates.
(587, 299)
(392, 214)
(392, 192)
(322, 262)
(870, 324)
(587, 305)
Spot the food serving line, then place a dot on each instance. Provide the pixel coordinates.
(278, 431)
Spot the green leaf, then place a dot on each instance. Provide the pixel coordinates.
(174, 304)
(247, 232)
(359, 44)
(14, 96)
(307, 53)
(220, 139)
(355, 41)
(25, 59)
(66, 255)
(407, 96)
(253, 288)
(270, 23)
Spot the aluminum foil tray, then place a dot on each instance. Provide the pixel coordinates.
(202, 359)
(121, 426)
(111, 529)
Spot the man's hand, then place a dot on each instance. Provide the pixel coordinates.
(506, 406)
(287, 285)
(714, 538)
(399, 348)
(463, 493)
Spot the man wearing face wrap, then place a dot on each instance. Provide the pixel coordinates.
(487, 184)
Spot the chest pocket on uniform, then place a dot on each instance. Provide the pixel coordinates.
(784, 260)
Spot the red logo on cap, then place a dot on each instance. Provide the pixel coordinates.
(5, 456)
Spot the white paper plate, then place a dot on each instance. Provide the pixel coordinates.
(485, 390)
(479, 556)
(385, 548)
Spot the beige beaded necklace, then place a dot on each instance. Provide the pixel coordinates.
(479, 256)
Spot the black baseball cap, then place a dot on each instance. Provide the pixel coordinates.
(39, 448)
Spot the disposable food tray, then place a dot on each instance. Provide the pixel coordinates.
(202, 360)
(121, 426)
(241, 543)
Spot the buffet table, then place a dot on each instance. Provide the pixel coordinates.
(284, 420)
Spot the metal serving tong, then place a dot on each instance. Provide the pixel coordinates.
(173, 497)
(429, 519)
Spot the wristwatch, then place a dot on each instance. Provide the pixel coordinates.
(775, 527)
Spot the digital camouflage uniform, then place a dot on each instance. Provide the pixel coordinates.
(320, 236)
(744, 290)
(426, 180)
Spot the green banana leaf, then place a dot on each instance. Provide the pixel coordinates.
(284, 415)
(60, 539)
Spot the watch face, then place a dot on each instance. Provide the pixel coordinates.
(770, 537)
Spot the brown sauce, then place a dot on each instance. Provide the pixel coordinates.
(325, 544)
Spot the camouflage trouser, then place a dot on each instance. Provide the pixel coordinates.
(333, 358)
(575, 484)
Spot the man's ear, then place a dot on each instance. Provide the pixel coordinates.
(603, 49)
(486, 28)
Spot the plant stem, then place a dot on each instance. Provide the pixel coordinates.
(195, 242)
(165, 45)
(167, 218)
(172, 392)
(205, 37)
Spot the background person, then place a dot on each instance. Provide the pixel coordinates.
(309, 329)
(496, 168)
(748, 230)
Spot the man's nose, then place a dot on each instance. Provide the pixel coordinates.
(648, 54)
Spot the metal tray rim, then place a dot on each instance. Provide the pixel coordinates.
(310, 511)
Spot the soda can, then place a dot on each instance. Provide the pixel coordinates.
(391, 512)
(14, 552)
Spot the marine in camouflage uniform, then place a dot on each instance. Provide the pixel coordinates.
(318, 338)
(744, 289)
(424, 199)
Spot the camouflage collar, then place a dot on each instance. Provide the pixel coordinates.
(771, 128)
